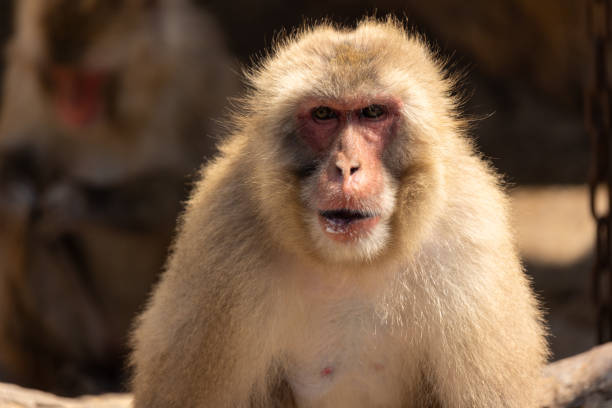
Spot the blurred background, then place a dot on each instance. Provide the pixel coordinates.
(107, 111)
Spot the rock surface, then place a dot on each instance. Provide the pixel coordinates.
(584, 381)
(12, 396)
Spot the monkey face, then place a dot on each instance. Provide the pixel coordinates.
(81, 49)
(351, 197)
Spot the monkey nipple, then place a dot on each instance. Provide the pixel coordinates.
(327, 371)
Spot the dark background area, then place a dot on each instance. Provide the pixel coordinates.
(6, 27)
(525, 64)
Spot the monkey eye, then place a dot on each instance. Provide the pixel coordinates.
(323, 113)
(373, 111)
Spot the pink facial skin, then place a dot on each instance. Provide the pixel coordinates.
(350, 137)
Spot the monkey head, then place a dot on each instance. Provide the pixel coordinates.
(353, 142)
(79, 49)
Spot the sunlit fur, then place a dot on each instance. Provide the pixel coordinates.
(256, 308)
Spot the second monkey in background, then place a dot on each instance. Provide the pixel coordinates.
(107, 112)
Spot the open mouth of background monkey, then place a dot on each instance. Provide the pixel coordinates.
(80, 95)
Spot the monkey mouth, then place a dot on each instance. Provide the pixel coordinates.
(343, 216)
(346, 225)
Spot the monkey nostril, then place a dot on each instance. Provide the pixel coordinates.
(346, 171)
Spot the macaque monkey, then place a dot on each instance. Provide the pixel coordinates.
(107, 109)
(348, 247)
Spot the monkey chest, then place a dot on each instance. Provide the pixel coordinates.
(345, 359)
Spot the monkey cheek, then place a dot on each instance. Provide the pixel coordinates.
(348, 232)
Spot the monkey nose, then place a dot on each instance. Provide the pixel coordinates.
(346, 175)
(347, 169)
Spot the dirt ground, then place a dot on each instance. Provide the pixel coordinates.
(555, 234)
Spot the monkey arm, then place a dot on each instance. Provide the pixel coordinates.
(65, 251)
(226, 348)
(469, 346)
(480, 357)
(36, 274)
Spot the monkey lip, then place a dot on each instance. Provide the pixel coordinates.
(346, 225)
